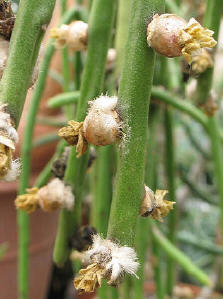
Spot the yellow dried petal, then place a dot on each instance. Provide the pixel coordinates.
(162, 207)
(201, 62)
(193, 38)
(5, 159)
(74, 135)
(89, 278)
(82, 144)
(28, 202)
(71, 132)
(54, 33)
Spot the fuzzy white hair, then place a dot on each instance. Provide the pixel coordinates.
(104, 104)
(6, 125)
(14, 171)
(57, 191)
(117, 260)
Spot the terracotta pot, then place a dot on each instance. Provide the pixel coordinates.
(42, 232)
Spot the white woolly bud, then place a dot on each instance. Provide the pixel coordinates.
(74, 35)
(55, 195)
(115, 259)
(4, 48)
(124, 261)
(9, 136)
(102, 124)
(14, 171)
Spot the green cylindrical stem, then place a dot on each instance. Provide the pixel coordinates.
(63, 99)
(217, 156)
(180, 258)
(32, 16)
(123, 17)
(212, 21)
(103, 189)
(134, 94)
(23, 218)
(100, 27)
(170, 174)
(142, 223)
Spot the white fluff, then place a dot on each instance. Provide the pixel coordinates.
(117, 260)
(103, 104)
(56, 191)
(14, 171)
(124, 260)
(5, 125)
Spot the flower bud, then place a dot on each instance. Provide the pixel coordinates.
(9, 170)
(74, 35)
(55, 195)
(201, 62)
(171, 36)
(108, 260)
(51, 197)
(102, 125)
(4, 49)
(154, 205)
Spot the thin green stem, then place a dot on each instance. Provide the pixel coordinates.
(124, 9)
(212, 21)
(173, 7)
(100, 27)
(28, 31)
(63, 99)
(179, 257)
(217, 156)
(23, 218)
(142, 223)
(65, 65)
(170, 175)
(103, 189)
(134, 95)
(180, 104)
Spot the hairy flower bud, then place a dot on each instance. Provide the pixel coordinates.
(102, 125)
(74, 35)
(4, 49)
(9, 169)
(108, 260)
(171, 36)
(51, 197)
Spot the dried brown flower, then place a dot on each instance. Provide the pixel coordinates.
(89, 278)
(154, 205)
(73, 134)
(28, 202)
